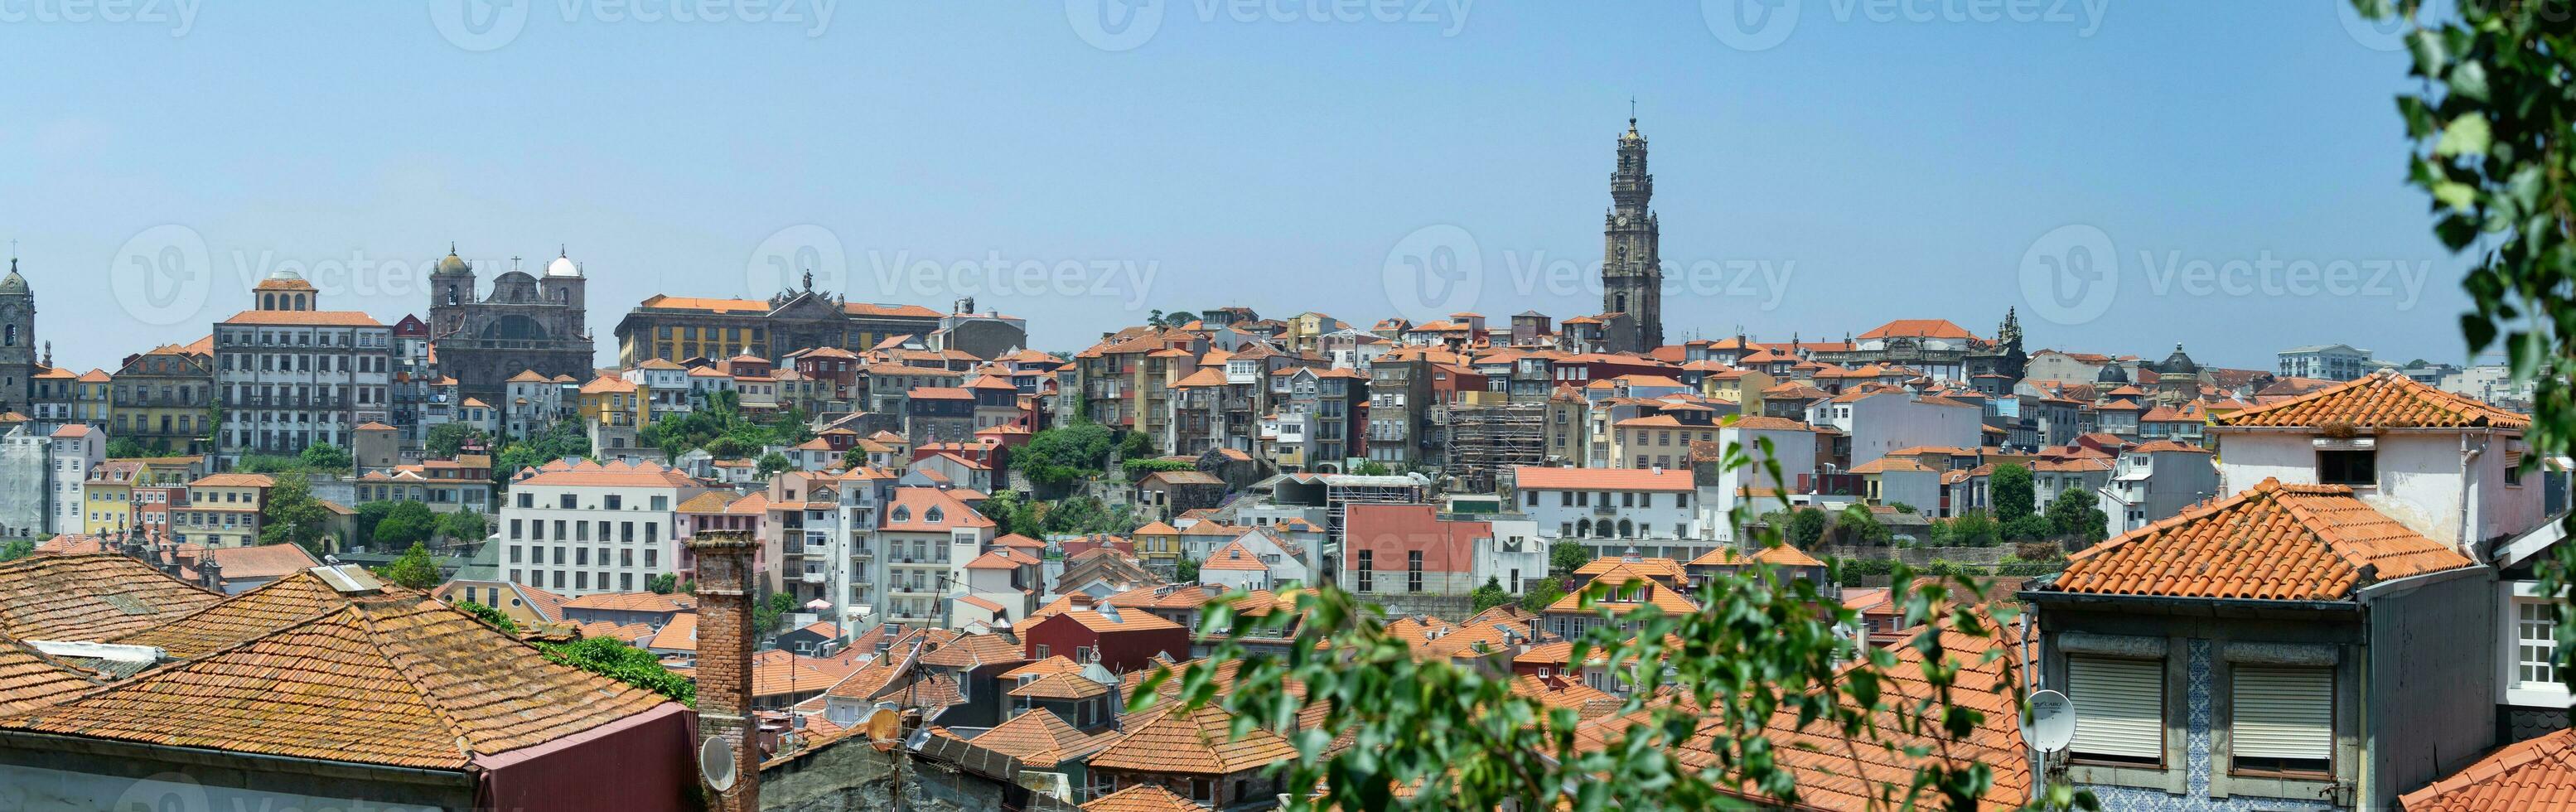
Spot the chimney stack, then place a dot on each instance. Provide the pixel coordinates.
(724, 660)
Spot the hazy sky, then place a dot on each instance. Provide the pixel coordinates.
(2230, 171)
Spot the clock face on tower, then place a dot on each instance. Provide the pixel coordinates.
(1623, 219)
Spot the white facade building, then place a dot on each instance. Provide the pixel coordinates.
(2154, 481)
(74, 449)
(1611, 510)
(1885, 420)
(583, 528)
(290, 376)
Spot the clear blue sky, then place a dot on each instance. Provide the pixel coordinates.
(1895, 168)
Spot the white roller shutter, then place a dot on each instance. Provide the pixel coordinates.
(2284, 713)
(2119, 707)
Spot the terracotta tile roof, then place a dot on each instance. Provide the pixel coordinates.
(1779, 556)
(1891, 463)
(630, 634)
(1835, 773)
(1621, 589)
(29, 680)
(976, 651)
(389, 679)
(680, 634)
(263, 561)
(305, 318)
(1919, 328)
(2379, 400)
(2273, 542)
(1142, 798)
(1056, 664)
(1558, 692)
(2534, 775)
(1194, 742)
(1234, 556)
(614, 473)
(241, 618)
(1040, 739)
(1066, 685)
(1661, 568)
(629, 602)
(90, 597)
(233, 481)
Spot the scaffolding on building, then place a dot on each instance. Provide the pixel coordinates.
(1491, 435)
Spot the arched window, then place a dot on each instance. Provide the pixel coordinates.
(13, 335)
(903, 514)
(1626, 530)
(268, 301)
(1582, 527)
(934, 516)
(1619, 303)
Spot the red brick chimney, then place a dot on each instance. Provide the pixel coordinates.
(724, 660)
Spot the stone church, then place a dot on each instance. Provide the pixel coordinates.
(18, 362)
(525, 323)
(1632, 265)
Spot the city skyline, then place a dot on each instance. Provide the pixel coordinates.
(1825, 194)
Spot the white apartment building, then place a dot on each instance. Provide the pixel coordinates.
(1884, 420)
(582, 528)
(2154, 481)
(74, 450)
(530, 402)
(2333, 362)
(1611, 510)
(290, 376)
(923, 542)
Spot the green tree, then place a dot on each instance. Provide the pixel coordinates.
(1013, 513)
(1059, 456)
(465, 526)
(1543, 594)
(1971, 529)
(2029, 527)
(1856, 526)
(663, 584)
(1186, 570)
(855, 458)
(1136, 445)
(1806, 527)
(15, 549)
(326, 458)
(767, 615)
(1901, 507)
(773, 464)
(1371, 468)
(406, 523)
(1491, 594)
(413, 569)
(292, 515)
(1567, 555)
(125, 448)
(446, 440)
(369, 515)
(2077, 517)
(2014, 495)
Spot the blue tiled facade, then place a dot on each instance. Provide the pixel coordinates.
(2196, 760)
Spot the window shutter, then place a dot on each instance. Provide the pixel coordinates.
(2285, 713)
(2119, 707)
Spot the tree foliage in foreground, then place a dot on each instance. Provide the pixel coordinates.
(1435, 735)
(2490, 145)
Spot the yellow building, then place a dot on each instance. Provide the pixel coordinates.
(1742, 386)
(107, 497)
(222, 510)
(161, 398)
(1158, 544)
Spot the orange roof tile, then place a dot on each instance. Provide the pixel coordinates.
(2381, 400)
(2273, 542)
(30, 680)
(1194, 742)
(1780, 555)
(1614, 479)
(90, 597)
(2534, 775)
(1142, 798)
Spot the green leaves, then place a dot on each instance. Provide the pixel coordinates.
(2466, 135)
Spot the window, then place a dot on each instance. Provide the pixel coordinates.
(2284, 720)
(1413, 571)
(2348, 467)
(2119, 710)
(1367, 576)
(2535, 637)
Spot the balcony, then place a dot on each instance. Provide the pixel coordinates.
(814, 577)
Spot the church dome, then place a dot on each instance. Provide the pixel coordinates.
(13, 284)
(563, 267)
(2112, 373)
(451, 263)
(2178, 363)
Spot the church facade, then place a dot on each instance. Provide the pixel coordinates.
(18, 362)
(525, 323)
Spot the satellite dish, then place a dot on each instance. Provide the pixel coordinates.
(2052, 722)
(885, 724)
(715, 762)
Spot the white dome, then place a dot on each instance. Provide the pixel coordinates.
(562, 266)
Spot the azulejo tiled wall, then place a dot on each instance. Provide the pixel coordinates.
(2196, 760)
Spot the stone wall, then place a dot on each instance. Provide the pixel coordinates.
(853, 776)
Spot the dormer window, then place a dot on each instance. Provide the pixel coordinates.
(903, 514)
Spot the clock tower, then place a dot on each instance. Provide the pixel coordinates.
(1632, 271)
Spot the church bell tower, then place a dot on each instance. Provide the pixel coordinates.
(1632, 272)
